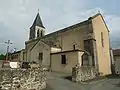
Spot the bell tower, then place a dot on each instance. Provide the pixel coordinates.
(37, 29)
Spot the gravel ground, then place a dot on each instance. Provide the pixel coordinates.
(56, 81)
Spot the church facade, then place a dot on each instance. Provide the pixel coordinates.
(86, 44)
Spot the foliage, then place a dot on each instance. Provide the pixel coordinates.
(2, 57)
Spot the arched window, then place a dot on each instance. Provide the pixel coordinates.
(85, 59)
(37, 33)
(41, 33)
(73, 46)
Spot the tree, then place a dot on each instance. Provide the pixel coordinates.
(2, 57)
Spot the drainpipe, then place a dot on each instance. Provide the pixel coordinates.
(50, 61)
(112, 62)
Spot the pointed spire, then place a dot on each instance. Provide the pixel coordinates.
(38, 21)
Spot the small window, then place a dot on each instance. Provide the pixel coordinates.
(41, 33)
(102, 40)
(85, 59)
(38, 33)
(41, 56)
(74, 47)
(63, 59)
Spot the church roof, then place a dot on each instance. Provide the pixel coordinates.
(38, 21)
(76, 50)
(86, 22)
(45, 42)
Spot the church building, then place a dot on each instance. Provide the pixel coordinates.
(86, 44)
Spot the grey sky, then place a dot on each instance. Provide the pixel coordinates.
(16, 16)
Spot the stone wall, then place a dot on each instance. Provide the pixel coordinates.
(80, 74)
(1, 62)
(22, 79)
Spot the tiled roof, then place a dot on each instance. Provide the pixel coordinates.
(50, 43)
(68, 51)
(86, 22)
(62, 30)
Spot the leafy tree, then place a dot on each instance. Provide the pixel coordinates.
(2, 57)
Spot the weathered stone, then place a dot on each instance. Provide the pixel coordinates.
(80, 74)
(23, 79)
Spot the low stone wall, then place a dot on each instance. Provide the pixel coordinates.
(22, 79)
(1, 62)
(80, 74)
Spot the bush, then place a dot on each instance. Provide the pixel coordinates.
(2, 57)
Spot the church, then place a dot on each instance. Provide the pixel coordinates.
(86, 44)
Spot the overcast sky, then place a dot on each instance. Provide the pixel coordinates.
(16, 17)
